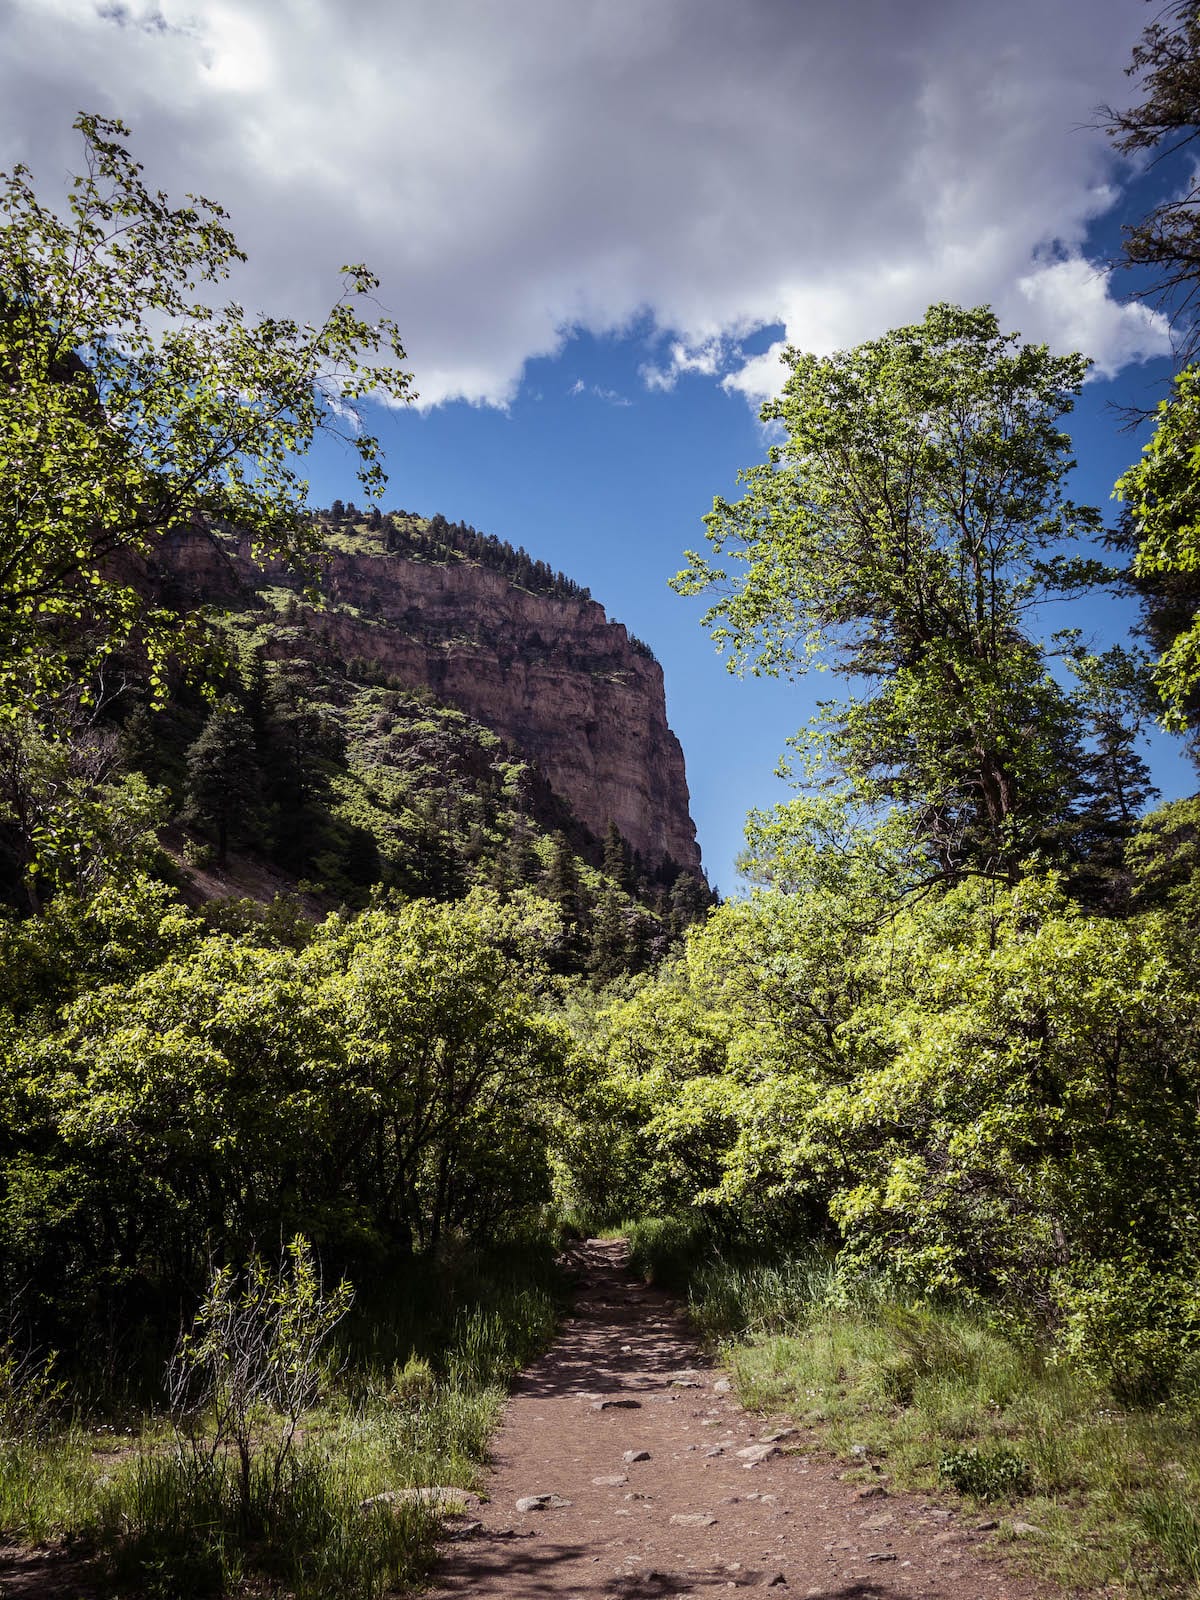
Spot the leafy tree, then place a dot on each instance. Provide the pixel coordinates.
(1165, 245)
(130, 405)
(69, 818)
(906, 530)
(1162, 494)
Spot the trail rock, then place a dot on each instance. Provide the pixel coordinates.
(616, 1405)
(693, 1519)
(636, 1455)
(752, 1454)
(542, 1502)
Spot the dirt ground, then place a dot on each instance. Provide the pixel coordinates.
(692, 1516)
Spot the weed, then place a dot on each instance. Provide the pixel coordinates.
(995, 1474)
(415, 1401)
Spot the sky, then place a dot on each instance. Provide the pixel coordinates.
(596, 223)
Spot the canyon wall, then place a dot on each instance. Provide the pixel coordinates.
(552, 675)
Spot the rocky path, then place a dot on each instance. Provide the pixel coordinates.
(625, 1470)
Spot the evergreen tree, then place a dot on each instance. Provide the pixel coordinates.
(224, 792)
(616, 862)
(610, 940)
(689, 901)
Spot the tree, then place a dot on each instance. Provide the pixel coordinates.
(1166, 243)
(907, 530)
(224, 788)
(130, 405)
(1162, 494)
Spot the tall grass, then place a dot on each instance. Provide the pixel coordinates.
(425, 1367)
(939, 1398)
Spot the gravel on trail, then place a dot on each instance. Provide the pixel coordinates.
(637, 1474)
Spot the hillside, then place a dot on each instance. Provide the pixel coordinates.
(448, 715)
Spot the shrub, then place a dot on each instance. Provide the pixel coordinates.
(997, 1473)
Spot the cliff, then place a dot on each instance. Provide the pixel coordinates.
(547, 671)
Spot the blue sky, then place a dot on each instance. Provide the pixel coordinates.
(593, 220)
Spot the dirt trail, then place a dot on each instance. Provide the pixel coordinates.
(694, 1518)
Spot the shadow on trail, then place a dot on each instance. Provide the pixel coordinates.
(650, 1348)
(536, 1563)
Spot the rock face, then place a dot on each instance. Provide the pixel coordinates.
(552, 675)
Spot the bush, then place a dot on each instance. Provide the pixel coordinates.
(997, 1473)
(254, 1353)
(1135, 1325)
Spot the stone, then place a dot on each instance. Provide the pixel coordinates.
(616, 1405)
(873, 1491)
(542, 1502)
(611, 1480)
(722, 1386)
(779, 1434)
(693, 1519)
(636, 1455)
(1025, 1530)
(752, 1454)
(881, 1555)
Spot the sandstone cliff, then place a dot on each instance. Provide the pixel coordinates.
(551, 674)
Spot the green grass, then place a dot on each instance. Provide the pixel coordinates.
(937, 1399)
(425, 1366)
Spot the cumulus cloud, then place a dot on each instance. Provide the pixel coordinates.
(515, 172)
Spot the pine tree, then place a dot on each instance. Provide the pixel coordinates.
(611, 945)
(616, 866)
(224, 791)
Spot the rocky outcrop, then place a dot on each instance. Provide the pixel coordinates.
(552, 675)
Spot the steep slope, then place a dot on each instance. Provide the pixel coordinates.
(547, 671)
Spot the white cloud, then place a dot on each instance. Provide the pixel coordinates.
(1071, 307)
(611, 397)
(514, 172)
(706, 358)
